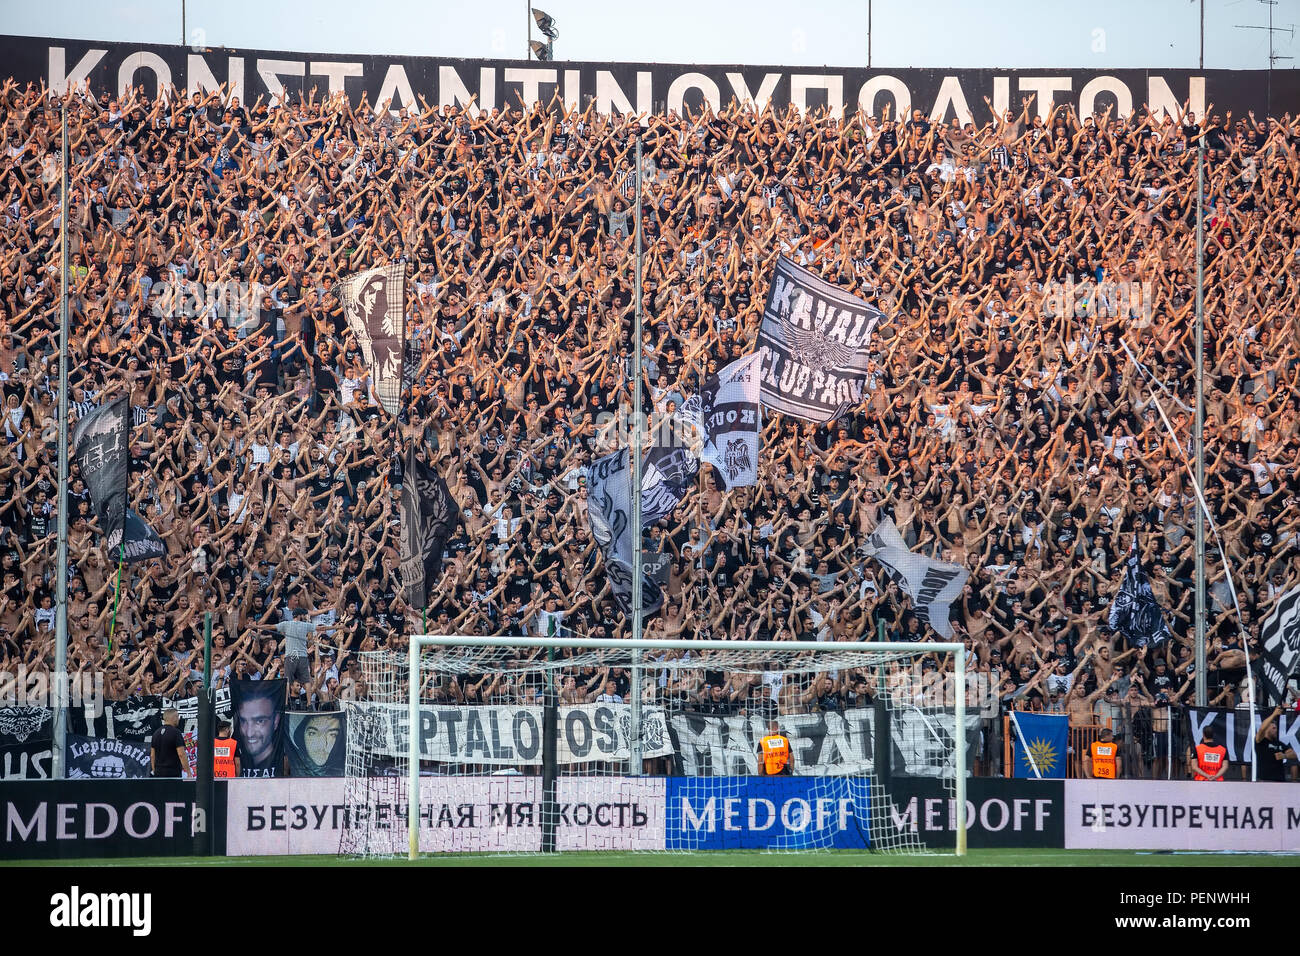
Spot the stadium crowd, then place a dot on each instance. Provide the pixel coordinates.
(1003, 426)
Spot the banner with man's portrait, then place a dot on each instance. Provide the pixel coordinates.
(258, 707)
(317, 743)
(374, 302)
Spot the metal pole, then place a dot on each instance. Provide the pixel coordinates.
(184, 32)
(528, 15)
(635, 766)
(413, 750)
(1199, 427)
(677, 644)
(207, 650)
(868, 34)
(61, 613)
(960, 720)
(550, 741)
(1202, 60)
(203, 769)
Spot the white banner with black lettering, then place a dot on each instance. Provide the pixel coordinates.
(1181, 815)
(932, 585)
(815, 344)
(509, 736)
(495, 814)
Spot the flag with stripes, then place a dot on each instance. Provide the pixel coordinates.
(1280, 635)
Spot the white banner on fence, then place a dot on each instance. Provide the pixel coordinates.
(1181, 815)
(511, 736)
(457, 814)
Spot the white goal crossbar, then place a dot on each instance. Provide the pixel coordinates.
(420, 641)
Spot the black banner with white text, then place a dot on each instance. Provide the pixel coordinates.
(639, 87)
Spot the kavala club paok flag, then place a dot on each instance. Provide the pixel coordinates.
(726, 411)
(931, 585)
(814, 343)
(374, 302)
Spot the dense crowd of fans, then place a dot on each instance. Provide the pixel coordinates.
(1003, 427)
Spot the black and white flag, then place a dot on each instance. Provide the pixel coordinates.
(142, 542)
(814, 345)
(98, 758)
(1236, 729)
(375, 304)
(1134, 612)
(931, 585)
(1280, 635)
(666, 476)
(101, 444)
(727, 413)
(428, 519)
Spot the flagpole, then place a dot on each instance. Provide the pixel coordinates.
(634, 737)
(61, 613)
(1199, 427)
(117, 589)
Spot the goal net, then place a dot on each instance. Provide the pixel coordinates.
(529, 745)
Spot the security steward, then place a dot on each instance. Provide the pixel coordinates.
(774, 752)
(1211, 760)
(225, 765)
(1104, 756)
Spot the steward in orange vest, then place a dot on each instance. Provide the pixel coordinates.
(1211, 761)
(774, 751)
(225, 766)
(1104, 754)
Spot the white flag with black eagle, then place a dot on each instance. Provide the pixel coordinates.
(1280, 635)
(1135, 612)
(815, 345)
(931, 585)
(374, 303)
(727, 413)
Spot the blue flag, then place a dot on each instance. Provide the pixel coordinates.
(1039, 744)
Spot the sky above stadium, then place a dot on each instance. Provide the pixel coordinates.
(1098, 34)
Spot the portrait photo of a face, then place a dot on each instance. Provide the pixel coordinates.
(259, 726)
(317, 743)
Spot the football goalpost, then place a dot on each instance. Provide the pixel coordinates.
(537, 745)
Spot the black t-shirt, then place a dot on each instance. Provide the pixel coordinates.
(1269, 765)
(164, 743)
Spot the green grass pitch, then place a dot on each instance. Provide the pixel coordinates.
(735, 858)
